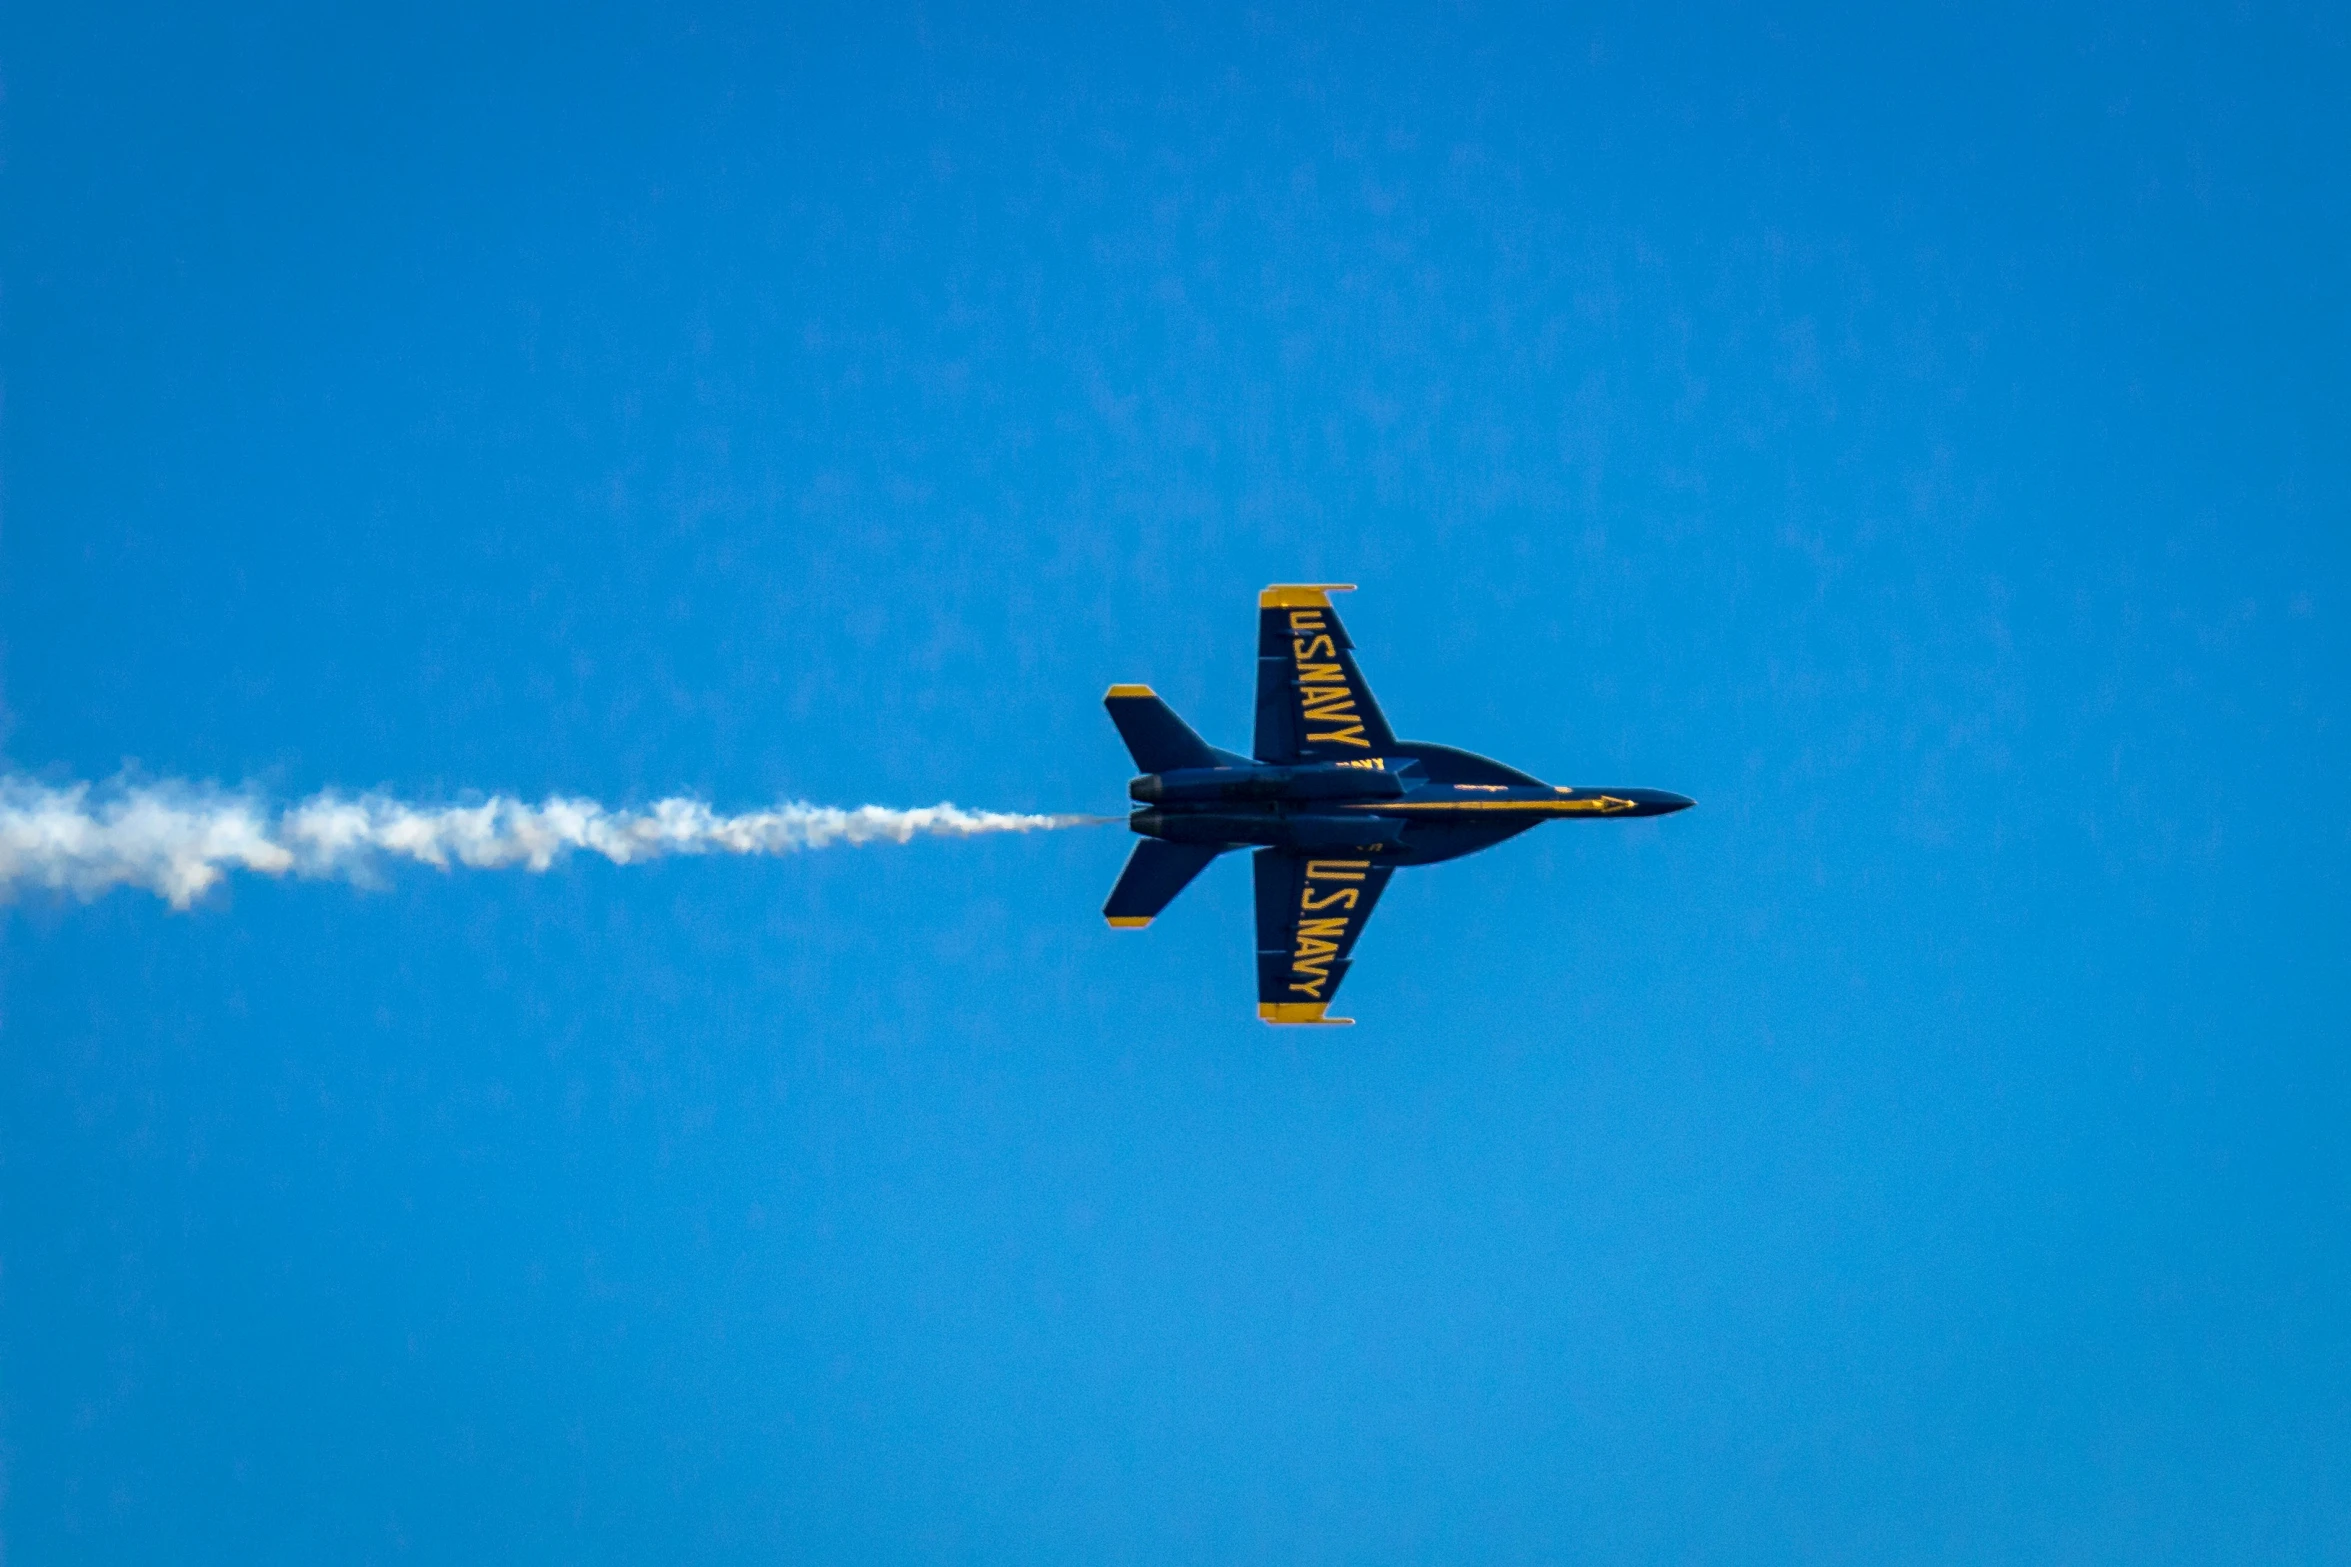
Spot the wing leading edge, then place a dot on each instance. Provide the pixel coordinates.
(1310, 910)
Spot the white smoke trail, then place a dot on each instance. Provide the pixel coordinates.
(179, 840)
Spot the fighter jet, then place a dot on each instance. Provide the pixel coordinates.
(1333, 803)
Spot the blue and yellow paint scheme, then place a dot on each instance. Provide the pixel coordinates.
(1332, 803)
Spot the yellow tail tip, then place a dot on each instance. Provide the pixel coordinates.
(1127, 921)
(1297, 1012)
(1298, 595)
(1119, 691)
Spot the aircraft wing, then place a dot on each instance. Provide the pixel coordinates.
(1310, 909)
(1312, 703)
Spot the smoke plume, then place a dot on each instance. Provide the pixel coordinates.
(179, 840)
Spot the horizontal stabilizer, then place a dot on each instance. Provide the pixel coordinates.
(1159, 741)
(1155, 873)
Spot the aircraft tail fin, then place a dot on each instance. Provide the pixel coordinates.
(1158, 740)
(1155, 873)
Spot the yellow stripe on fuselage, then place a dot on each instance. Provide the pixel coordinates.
(1599, 805)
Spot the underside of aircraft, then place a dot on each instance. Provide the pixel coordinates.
(1332, 803)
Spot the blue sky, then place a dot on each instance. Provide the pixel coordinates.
(1919, 438)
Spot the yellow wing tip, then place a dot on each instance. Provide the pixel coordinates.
(1127, 921)
(1118, 691)
(1297, 1012)
(1299, 595)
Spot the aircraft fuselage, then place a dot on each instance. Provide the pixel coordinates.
(1387, 803)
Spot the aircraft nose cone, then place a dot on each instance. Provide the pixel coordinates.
(1668, 802)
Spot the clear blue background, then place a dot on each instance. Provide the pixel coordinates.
(1921, 440)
